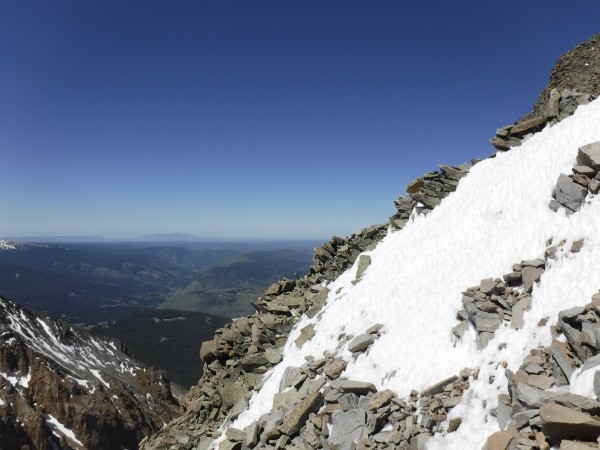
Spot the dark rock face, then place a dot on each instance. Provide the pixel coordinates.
(56, 377)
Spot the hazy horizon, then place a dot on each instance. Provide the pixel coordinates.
(255, 119)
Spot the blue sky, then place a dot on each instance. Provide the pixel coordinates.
(260, 119)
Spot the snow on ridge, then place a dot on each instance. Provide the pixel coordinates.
(498, 216)
(85, 357)
(58, 429)
(7, 245)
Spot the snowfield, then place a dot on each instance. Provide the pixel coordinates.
(498, 216)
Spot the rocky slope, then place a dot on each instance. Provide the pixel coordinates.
(352, 350)
(63, 388)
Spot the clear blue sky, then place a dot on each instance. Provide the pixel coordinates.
(296, 119)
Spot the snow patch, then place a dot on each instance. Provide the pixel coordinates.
(58, 429)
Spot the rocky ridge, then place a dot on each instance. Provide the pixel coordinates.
(63, 388)
(574, 81)
(313, 397)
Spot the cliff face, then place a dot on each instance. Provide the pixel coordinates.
(440, 327)
(61, 387)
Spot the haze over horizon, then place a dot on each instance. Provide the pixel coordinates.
(255, 119)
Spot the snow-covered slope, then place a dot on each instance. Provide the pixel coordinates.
(499, 215)
(62, 387)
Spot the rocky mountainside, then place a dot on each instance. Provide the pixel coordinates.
(64, 388)
(470, 319)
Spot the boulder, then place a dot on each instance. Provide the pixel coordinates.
(563, 356)
(333, 369)
(208, 349)
(380, 399)
(348, 426)
(589, 155)
(356, 387)
(559, 422)
(363, 262)
(500, 440)
(361, 342)
(568, 193)
(294, 419)
(530, 275)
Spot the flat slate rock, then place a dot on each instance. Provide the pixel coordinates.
(568, 193)
(294, 420)
(355, 387)
(348, 426)
(560, 422)
(589, 155)
(361, 342)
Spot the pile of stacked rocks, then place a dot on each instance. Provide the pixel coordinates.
(336, 255)
(539, 412)
(426, 192)
(495, 301)
(572, 190)
(560, 105)
(316, 408)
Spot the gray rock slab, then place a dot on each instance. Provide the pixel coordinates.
(380, 399)
(439, 387)
(530, 275)
(513, 278)
(500, 440)
(289, 376)
(584, 170)
(568, 193)
(574, 401)
(294, 419)
(559, 422)
(530, 396)
(540, 381)
(524, 304)
(589, 155)
(361, 342)
(571, 312)
(348, 426)
(235, 434)
(355, 387)
(419, 442)
(564, 358)
(594, 186)
(533, 263)
(348, 401)
(364, 261)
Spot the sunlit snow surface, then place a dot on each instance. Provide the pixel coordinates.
(498, 216)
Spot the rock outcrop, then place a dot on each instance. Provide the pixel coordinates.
(63, 388)
(574, 81)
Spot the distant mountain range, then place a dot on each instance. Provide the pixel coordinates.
(131, 237)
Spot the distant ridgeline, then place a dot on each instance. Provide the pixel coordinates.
(338, 379)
